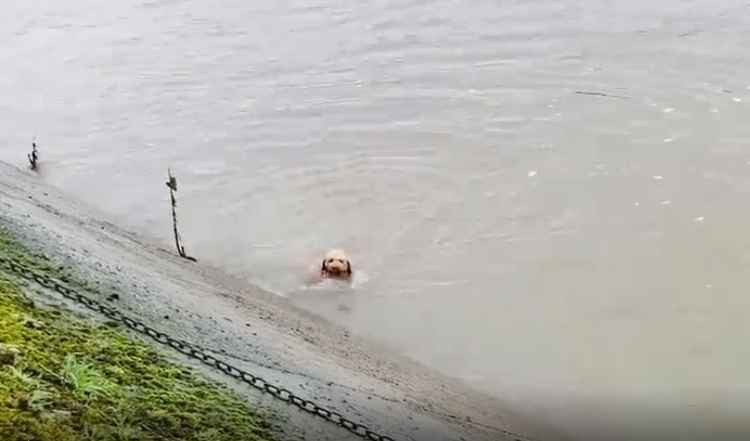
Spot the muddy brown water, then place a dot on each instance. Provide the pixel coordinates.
(546, 199)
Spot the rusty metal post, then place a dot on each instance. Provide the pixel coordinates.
(172, 184)
(34, 155)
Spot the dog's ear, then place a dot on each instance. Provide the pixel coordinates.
(323, 266)
(348, 267)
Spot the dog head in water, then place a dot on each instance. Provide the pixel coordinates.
(336, 265)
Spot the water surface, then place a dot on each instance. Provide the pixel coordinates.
(547, 199)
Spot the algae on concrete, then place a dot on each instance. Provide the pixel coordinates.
(63, 378)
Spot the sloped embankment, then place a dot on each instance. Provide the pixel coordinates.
(66, 379)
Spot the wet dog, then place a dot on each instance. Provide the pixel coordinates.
(336, 265)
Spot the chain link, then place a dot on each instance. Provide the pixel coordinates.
(193, 351)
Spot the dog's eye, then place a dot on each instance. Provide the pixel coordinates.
(330, 260)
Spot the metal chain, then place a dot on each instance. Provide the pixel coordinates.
(194, 351)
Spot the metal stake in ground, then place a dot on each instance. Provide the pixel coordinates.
(34, 155)
(172, 184)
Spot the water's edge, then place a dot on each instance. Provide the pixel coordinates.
(283, 344)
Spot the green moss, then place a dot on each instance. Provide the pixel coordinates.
(65, 379)
(9, 247)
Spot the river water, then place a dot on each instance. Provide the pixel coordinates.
(547, 199)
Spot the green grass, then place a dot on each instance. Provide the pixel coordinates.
(71, 380)
(84, 380)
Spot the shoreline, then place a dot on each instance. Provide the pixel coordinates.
(254, 330)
